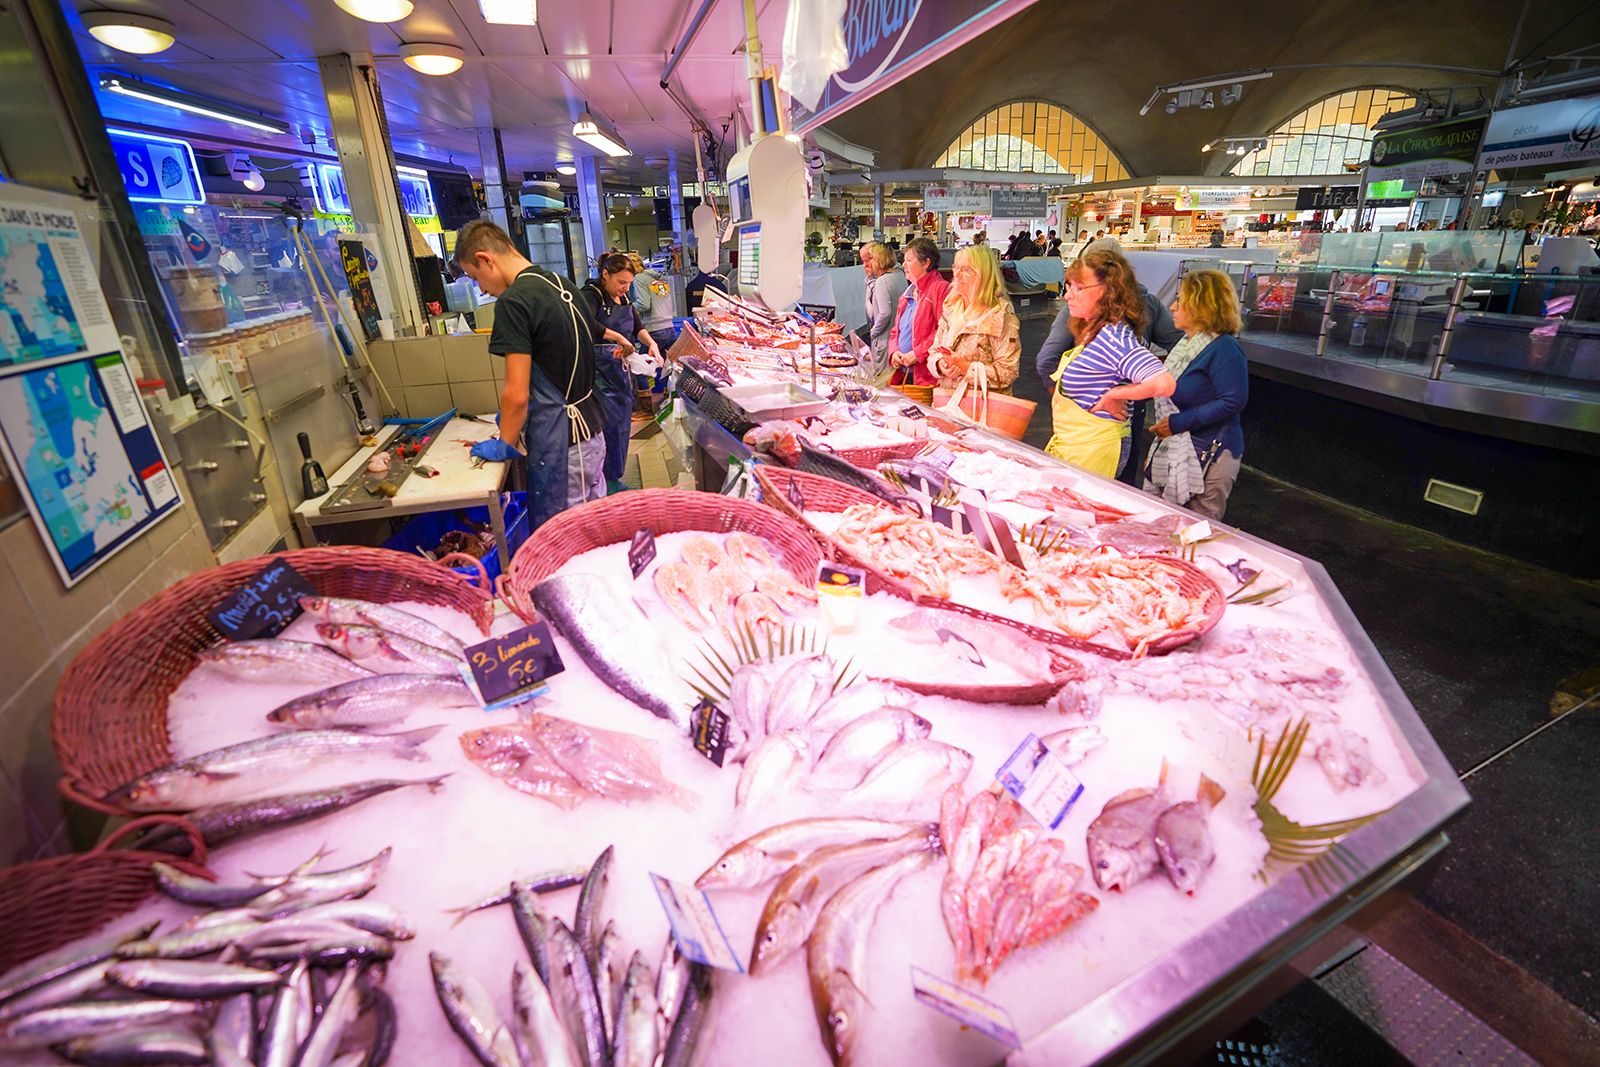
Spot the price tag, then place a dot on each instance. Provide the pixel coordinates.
(966, 1008)
(695, 926)
(911, 411)
(264, 605)
(510, 666)
(1036, 778)
(795, 496)
(710, 732)
(1197, 532)
(642, 551)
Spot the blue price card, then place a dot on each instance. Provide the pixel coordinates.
(1036, 778)
(966, 1008)
(695, 926)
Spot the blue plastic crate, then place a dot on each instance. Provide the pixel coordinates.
(426, 530)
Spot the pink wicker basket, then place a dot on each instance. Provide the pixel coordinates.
(821, 493)
(109, 722)
(617, 518)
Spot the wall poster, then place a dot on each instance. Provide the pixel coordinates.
(354, 254)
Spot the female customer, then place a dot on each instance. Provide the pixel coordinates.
(885, 283)
(1196, 457)
(978, 335)
(1109, 366)
(917, 318)
(616, 325)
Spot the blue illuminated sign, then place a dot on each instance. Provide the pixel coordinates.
(416, 194)
(158, 170)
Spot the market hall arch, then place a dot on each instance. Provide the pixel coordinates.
(1325, 136)
(1032, 135)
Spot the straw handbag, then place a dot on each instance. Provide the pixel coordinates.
(1004, 414)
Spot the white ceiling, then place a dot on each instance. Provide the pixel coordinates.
(530, 81)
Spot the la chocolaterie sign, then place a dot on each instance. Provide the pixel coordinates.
(1427, 151)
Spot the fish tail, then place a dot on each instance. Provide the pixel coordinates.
(1211, 793)
(410, 740)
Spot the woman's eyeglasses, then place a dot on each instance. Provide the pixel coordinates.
(1074, 287)
(964, 270)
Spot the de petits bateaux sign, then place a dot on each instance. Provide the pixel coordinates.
(1427, 151)
(1561, 131)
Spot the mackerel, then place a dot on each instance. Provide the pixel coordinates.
(571, 966)
(672, 984)
(549, 882)
(472, 1014)
(678, 1050)
(383, 617)
(636, 1041)
(607, 982)
(282, 662)
(586, 920)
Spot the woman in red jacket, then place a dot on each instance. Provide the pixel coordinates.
(917, 318)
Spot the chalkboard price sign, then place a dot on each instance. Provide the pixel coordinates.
(264, 605)
(505, 666)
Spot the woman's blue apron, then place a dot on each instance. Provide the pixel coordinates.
(612, 382)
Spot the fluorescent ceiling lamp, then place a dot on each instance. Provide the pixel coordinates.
(509, 12)
(194, 105)
(126, 32)
(566, 168)
(435, 59)
(591, 131)
(377, 10)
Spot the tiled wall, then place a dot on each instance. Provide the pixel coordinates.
(429, 375)
(43, 626)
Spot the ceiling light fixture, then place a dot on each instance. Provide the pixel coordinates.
(509, 12)
(142, 35)
(194, 105)
(566, 168)
(377, 10)
(254, 180)
(434, 59)
(592, 131)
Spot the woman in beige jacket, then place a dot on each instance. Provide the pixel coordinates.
(978, 335)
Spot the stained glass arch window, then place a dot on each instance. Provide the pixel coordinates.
(1034, 136)
(1326, 135)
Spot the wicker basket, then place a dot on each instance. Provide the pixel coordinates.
(868, 458)
(1066, 669)
(44, 905)
(616, 519)
(109, 724)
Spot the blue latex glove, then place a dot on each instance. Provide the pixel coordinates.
(494, 450)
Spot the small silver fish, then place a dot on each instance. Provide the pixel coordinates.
(386, 653)
(542, 1038)
(52, 1026)
(472, 1014)
(336, 1016)
(636, 1039)
(382, 617)
(278, 1044)
(282, 662)
(376, 700)
(221, 823)
(570, 966)
(192, 889)
(171, 1046)
(1183, 837)
(52, 965)
(759, 859)
(607, 982)
(368, 915)
(189, 944)
(190, 979)
(586, 919)
(860, 745)
(549, 882)
(678, 1048)
(672, 984)
(63, 990)
(233, 1034)
(308, 890)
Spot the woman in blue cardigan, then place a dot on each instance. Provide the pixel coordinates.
(1199, 443)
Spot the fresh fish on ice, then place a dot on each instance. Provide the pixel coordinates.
(373, 701)
(306, 890)
(678, 1048)
(586, 919)
(1183, 837)
(1002, 644)
(636, 1039)
(189, 944)
(615, 765)
(323, 1044)
(513, 754)
(63, 990)
(1122, 846)
(541, 1036)
(63, 961)
(52, 1026)
(369, 915)
(382, 617)
(672, 986)
(615, 639)
(194, 890)
(859, 746)
(773, 769)
(472, 1014)
(1071, 745)
(852, 702)
(190, 979)
(221, 823)
(549, 882)
(533, 924)
(798, 693)
(914, 772)
(170, 1046)
(386, 653)
(233, 1033)
(281, 662)
(760, 858)
(570, 965)
(607, 982)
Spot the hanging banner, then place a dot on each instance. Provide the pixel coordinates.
(1214, 200)
(1319, 197)
(1018, 203)
(1559, 132)
(954, 198)
(888, 40)
(1428, 151)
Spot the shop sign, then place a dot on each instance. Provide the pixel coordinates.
(954, 198)
(1428, 151)
(888, 40)
(1319, 197)
(1561, 131)
(157, 169)
(1582, 193)
(1214, 200)
(1018, 203)
(416, 195)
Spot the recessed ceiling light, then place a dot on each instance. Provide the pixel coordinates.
(126, 32)
(435, 59)
(377, 10)
(509, 12)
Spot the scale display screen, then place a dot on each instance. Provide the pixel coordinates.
(739, 199)
(749, 256)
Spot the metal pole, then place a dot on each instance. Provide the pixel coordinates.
(1327, 313)
(1456, 293)
(1361, 202)
(877, 212)
(813, 355)
(752, 59)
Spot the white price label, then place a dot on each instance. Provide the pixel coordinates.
(1198, 532)
(966, 1008)
(1036, 778)
(695, 926)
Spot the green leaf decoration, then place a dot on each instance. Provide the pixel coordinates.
(752, 644)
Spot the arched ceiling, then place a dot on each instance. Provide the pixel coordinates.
(1102, 62)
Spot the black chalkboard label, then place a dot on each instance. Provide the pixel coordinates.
(642, 551)
(264, 605)
(795, 496)
(911, 411)
(508, 665)
(710, 731)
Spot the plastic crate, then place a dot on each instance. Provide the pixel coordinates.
(425, 531)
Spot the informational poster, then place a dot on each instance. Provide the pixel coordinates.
(354, 254)
(51, 306)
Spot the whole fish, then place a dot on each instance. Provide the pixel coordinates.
(369, 915)
(282, 662)
(383, 617)
(1074, 743)
(773, 768)
(615, 765)
(1122, 846)
(798, 693)
(1003, 644)
(64, 990)
(636, 1039)
(221, 823)
(607, 982)
(513, 754)
(615, 639)
(1183, 837)
(232, 1037)
(798, 897)
(52, 965)
(678, 1048)
(328, 952)
(239, 770)
(860, 745)
(190, 979)
(748, 694)
(279, 1044)
(542, 1038)
(836, 954)
(964, 844)
(571, 966)
(672, 985)
(192, 889)
(1054, 911)
(190, 943)
(915, 771)
(533, 924)
(296, 928)
(852, 702)
(586, 919)
(305, 1007)
(378, 1003)
(549, 882)
(983, 888)
(308, 890)
(472, 1014)
(170, 1046)
(374, 701)
(52, 1026)
(336, 1016)
(386, 653)
(759, 859)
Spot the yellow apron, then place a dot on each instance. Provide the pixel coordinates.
(1082, 439)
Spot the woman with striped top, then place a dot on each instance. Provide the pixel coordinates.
(1109, 367)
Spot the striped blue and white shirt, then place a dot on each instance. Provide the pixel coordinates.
(1114, 357)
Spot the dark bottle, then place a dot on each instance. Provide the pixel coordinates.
(312, 481)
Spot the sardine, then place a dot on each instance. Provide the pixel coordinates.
(382, 1009)
(672, 984)
(1183, 838)
(64, 990)
(1003, 644)
(914, 772)
(308, 890)
(190, 979)
(533, 923)
(513, 754)
(586, 919)
(305, 1008)
(852, 702)
(170, 1046)
(759, 859)
(607, 983)
(860, 745)
(549, 882)
(232, 1037)
(200, 893)
(369, 915)
(386, 653)
(189, 944)
(220, 824)
(282, 662)
(773, 768)
(678, 1049)
(615, 639)
(323, 1044)
(52, 965)
(472, 1015)
(570, 965)
(239, 770)
(798, 693)
(330, 952)
(297, 928)
(52, 1026)
(799, 896)
(383, 617)
(1122, 847)
(542, 1039)
(376, 700)
(278, 1043)
(636, 1039)
(836, 955)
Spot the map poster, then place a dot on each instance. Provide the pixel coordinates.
(86, 457)
(51, 306)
